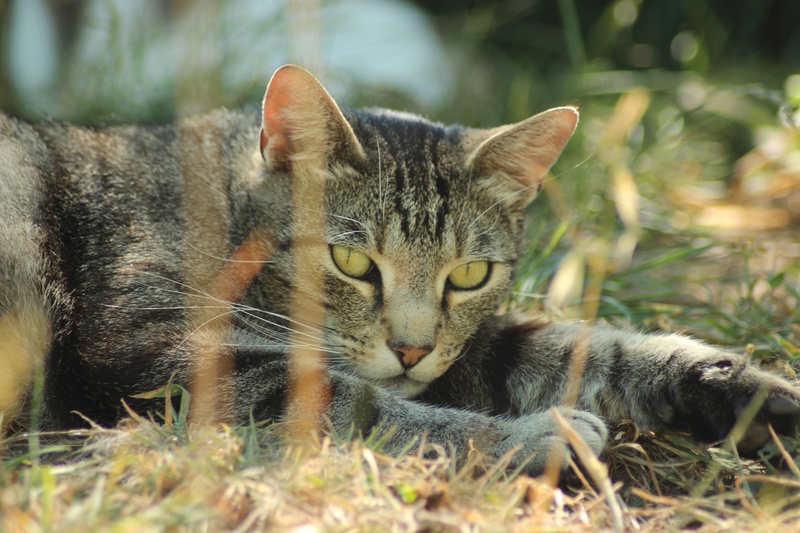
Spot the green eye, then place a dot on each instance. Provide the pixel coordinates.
(350, 261)
(469, 275)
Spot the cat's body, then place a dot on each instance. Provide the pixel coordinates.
(113, 241)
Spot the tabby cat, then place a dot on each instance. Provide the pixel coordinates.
(113, 240)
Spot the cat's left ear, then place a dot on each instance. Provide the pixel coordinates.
(514, 160)
(302, 121)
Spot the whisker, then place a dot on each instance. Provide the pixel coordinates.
(503, 199)
(238, 307)
(333, 215)
(165, 308)
(469, 189)
(224, 259)
(280, 326)
(198, 328)
(381, 197)
(335, 238)
(233, 311)
(490, 228)
(285, 346)
(573, 167)
(353, 220)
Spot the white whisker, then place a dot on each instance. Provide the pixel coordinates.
(353, 220)
(501, 200)
(341, 236)
(237, 307)
(381, 192)
(198, 328)
(223, 259)
(284, 327)
(469, 189)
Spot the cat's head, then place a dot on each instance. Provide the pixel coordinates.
(422, 223)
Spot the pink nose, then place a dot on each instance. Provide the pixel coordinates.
(410, 355)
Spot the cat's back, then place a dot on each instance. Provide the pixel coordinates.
(25, 326)
(102, 219)
(23, 155)
(23, 162)
(88, 180)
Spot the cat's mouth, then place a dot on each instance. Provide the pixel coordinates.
(404, 385)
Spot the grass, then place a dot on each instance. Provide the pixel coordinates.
(140, 477)
(698, 174)
(147, 476)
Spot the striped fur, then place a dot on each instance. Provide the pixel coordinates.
(113, 241)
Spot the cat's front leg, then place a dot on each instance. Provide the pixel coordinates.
(526, 442)
(357, 406)
(658, 381)
(708, 391)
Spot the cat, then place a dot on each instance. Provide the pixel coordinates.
(209, 249)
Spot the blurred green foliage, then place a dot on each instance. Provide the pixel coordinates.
(688, 149)
(538, 52)
(688, 131)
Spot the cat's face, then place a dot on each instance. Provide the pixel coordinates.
(423, 223)
(419, 252)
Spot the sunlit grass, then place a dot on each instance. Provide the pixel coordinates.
(741, 292)
(139, 477)
(699, 172)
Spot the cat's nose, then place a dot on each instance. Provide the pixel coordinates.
(410, 355)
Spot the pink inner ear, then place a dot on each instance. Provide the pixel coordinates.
(524, 152)
(263, 140)
(526, 170)
(300, 116)
(564, 127)
(276, 126)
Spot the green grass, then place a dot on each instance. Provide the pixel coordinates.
(693, 167)
(140, 477)
(146, 476)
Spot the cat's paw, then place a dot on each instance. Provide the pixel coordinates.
(715, 390)
(536, 436)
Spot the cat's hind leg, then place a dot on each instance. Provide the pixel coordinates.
(25, 336)
(26, 331)
(25, 326)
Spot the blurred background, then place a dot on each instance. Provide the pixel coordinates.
(688, 149)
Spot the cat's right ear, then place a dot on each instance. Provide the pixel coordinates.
(513, 161)
(301, 120)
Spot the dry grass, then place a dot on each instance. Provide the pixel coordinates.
(143, 476)
(646, 169)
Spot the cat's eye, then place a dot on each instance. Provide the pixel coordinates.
(352, 262)
(469, 275)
